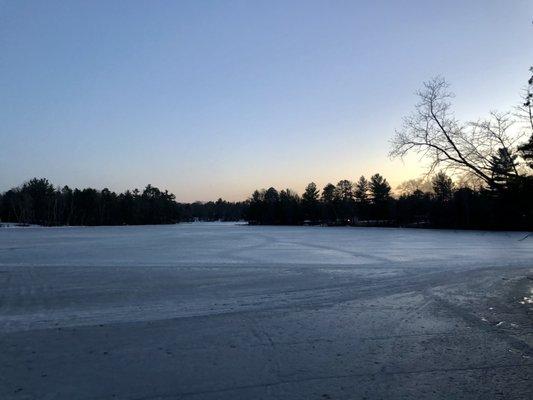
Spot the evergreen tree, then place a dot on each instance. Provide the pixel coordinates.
(255, 207)
(272, 210)
(380, 194)
(442, 186)
(503, 166)
(311, 193)
(344, 199)
(289, 207)
(361, 190)
(328, 197)
(310, 202)
(379, 189)
(344, 190)
(526, 151)
(328, 193)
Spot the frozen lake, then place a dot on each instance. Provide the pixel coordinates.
(225, 311)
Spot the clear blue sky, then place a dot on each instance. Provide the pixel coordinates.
(217, 98)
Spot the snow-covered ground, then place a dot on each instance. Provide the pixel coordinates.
(226, 311)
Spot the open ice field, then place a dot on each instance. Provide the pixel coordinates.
(221, 311)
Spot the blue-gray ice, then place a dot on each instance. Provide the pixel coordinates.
(226, 311)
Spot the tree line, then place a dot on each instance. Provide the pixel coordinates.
(37, 201)
(436, 203)
(344, 203)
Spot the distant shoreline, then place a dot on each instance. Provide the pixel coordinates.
(527, 233)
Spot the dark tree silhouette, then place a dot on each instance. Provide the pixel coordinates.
(290, 210)
(526, 152)
(380, 195)
(328, 197)
(344, 190)
(361, 194)
(38, 202)
(361, 190)
(504, 165)
(344, 201)
(272, 206)
(379, 189)
(442, 186)
(509, 206)
(328, 193)
(525, 113)
(310, 203)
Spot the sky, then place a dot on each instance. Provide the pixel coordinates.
(214, 99)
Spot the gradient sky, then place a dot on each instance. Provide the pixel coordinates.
(217, 98)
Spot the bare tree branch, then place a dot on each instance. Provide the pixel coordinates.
(432, 132)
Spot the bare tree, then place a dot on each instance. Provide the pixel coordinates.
(413, 185)
(433, 132)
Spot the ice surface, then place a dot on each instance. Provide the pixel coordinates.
(214, 311)
(228, 243)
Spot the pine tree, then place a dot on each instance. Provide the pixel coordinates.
(344, 190)
(526, 151)
(361, 190)
(379, 188)
(311, 194)
(442, 186)
(503, 166)
(328, 193)
(310, 202)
